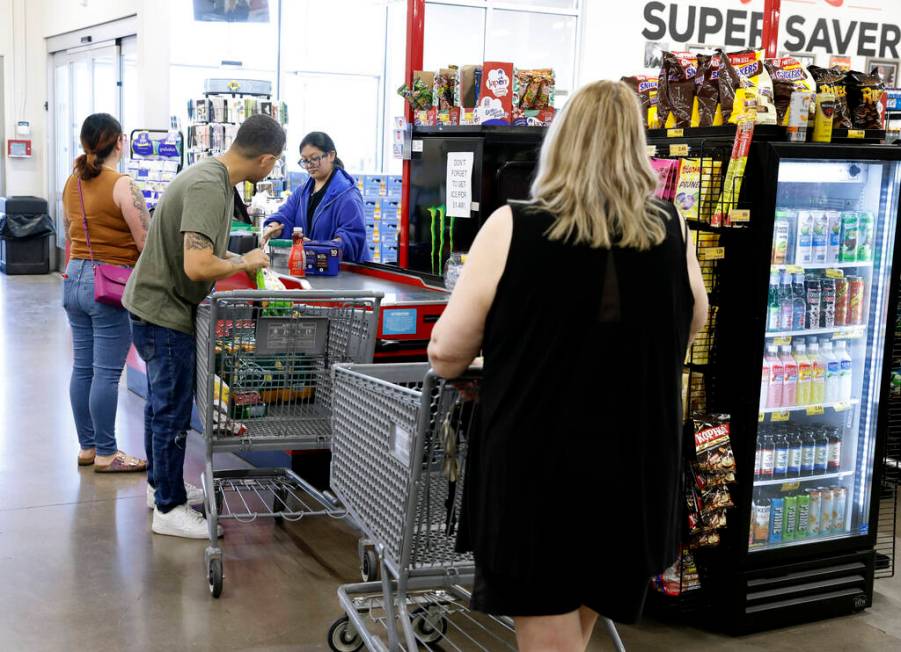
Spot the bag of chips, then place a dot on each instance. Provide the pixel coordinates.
(865, 99)
(833, 81)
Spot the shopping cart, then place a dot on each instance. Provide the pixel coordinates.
(264, 383)
(398, 466)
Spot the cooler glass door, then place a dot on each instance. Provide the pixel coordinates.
(831, 265)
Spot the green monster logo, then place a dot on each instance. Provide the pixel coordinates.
(437, 257)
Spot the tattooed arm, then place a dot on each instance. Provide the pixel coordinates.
(201, 264)
(131, 202)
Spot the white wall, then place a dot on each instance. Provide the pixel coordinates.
(47, 18)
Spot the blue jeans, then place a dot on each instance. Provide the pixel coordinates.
(169, 355)
(100, 341)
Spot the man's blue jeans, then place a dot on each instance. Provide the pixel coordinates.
(169, 355)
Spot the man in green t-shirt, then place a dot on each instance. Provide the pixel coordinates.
(185, 254)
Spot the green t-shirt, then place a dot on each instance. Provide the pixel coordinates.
(202, 200)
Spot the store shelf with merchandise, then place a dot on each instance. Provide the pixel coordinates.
(844, 332)
(813, 408)
(803, 479)
(764, 133)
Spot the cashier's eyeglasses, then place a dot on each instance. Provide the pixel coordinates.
(312, 162)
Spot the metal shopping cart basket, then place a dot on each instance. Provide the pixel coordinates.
(264, 383)
(398, 466)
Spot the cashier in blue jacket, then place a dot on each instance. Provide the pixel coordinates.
(328, 208)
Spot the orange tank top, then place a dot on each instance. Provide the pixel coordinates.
(111, 238)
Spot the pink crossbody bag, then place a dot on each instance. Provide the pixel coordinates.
(109, 280)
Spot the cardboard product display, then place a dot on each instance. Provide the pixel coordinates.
(496, 94)
(468, 80)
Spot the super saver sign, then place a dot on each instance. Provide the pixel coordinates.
(826, 25)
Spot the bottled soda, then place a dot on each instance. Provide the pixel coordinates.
(780, 452)
(834, 454)
(297, 260)
(799, 303)
(774, 308)
(814, 296)
(821, 454)
(767, 457)
(794, 455)
(808, 453)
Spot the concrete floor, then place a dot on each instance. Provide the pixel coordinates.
(80, 569)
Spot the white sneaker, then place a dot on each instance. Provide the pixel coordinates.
(195, 495)
(182, 521)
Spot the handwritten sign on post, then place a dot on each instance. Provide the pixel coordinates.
(459, 184)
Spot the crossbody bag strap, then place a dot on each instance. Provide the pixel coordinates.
(84, 223)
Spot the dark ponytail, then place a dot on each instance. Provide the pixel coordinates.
(322, 141)
(100, 133)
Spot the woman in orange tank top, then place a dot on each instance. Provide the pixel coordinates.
(107, 206)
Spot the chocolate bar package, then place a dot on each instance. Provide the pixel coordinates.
(676, 90)
(707, 83)
(646, 90)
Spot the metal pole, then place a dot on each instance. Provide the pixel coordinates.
(415, 39)
(771, 10)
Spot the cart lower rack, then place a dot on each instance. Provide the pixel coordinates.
(398, 466)
(264, 382)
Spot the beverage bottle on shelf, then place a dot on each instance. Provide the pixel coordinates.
(774, 309)
(767, 457)
(782, 253)
(834, 454)
(833, 373)
(808, 453)
(777, 519)
(794, 454)
(820, 237)
(841, 301)
(297, 259)
(780, 464)
(814, 295)
(803, 516)
(825, 511)
(839, 508)
(856, 301)
(777, 372)
(827, 303)
(764, 382)
(799, 303)
(786, 303)
(790, 522)
(804, 241)
(865, 231)
(762, 509)
(834, 245)
(789, 378)
(758, 456)
(821, 454)
(805, 374)
(848, 253)
(845, 363)
(818, 365)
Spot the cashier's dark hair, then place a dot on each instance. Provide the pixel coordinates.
(258, 135)
(100, 132)
(322, 141)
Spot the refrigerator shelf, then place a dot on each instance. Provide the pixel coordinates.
(840, 406)
(805, 478)
(832, 536)
(807, 266)
(857, 328)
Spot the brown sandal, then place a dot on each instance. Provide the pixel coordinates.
(86, 461)
(122, 463)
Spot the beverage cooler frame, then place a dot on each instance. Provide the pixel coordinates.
(734, 570)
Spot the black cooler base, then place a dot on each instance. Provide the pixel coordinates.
(25, 256)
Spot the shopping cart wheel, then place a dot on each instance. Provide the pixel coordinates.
(370, 568)
(215, 577)
(429, 624)
(342, 637)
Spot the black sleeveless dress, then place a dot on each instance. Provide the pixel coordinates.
(572, 489)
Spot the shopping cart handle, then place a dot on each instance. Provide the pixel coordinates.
(263, 295)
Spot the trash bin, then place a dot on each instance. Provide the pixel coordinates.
(25, 230)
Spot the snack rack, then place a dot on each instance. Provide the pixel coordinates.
(216, 116)
(156, 156)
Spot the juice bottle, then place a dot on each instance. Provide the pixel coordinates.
(789, 378)
(777, 370)
(818, 379)
(805, 374)
(833, 373)
(845, 363)
(297, 260)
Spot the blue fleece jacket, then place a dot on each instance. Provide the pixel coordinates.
(339, 215)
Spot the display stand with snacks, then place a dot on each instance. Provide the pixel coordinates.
(216, 116)
(155, 157)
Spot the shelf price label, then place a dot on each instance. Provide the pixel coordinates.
(760, 417)
(675, 133)
(843, 406)
(848, 335)
(652, 150)
(834, 273)
(815, 410)
(790, 486)
(794, 269)
(680, 149)
(782, 341)
(711, 253)
(856, 133)
(779, 416)
(740, 215)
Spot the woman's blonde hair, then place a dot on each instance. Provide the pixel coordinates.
(594, 175)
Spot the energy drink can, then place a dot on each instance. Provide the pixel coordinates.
(777, 519)
(825, 511)
(839, 508)
(841, 301)
(855, 300)
(801, 530)
(790, 525)
(813, 519)
(848, 253)
(822, 122)
(761, 525)
(865, 228)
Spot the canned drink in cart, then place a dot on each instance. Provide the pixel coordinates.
(815, 505)
(803, 526)
(790, 522)
(855, 300)
(839, 507)
(825, 511)
(841, 301)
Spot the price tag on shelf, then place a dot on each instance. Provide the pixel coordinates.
(760, 417)
(678, 149)
(856, 133)
(794, 269)
(790, 486)
(779, 416)
(834, 273)
(711, 253)
(848, 335)
(782, 341)
(652, 150)
(815, 410)
(675, 133)
(740, 215)
(843, 406)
